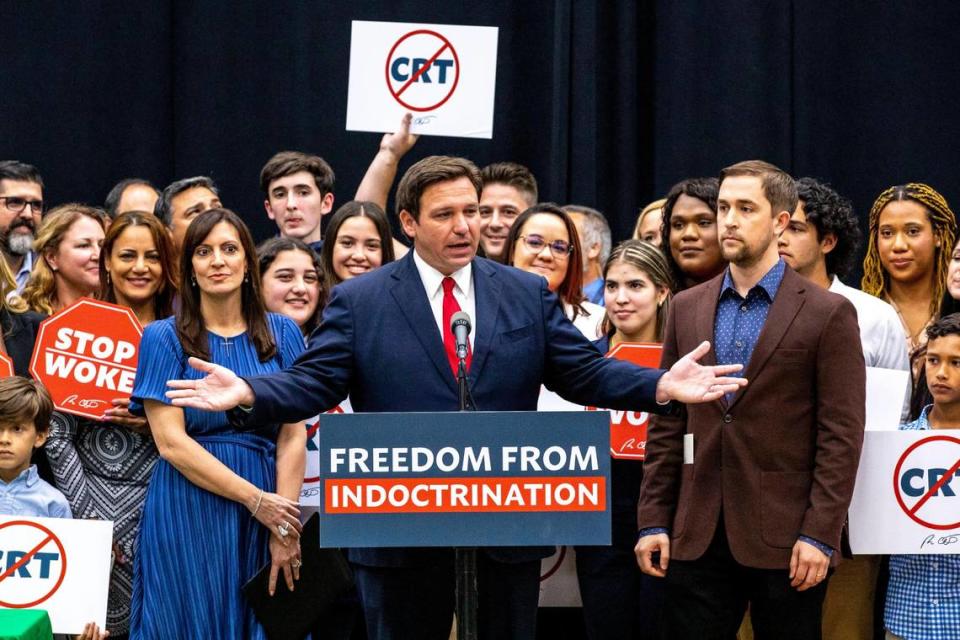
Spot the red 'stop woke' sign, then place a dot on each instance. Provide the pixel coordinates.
(86, 356)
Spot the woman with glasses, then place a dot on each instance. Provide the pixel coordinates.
(543, 240)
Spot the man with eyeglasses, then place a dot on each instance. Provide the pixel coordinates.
(21, 206)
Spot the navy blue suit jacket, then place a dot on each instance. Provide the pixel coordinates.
(379, 344)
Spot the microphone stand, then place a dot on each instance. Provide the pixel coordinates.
(465, 558)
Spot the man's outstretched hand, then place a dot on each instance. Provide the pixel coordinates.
(690, 382)
(219, 390)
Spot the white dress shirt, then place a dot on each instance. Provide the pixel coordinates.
(590, 322)
(463, 292)
(589, 325)
(881, 333)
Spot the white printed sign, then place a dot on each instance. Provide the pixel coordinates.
(558, 579)
(445, 75)
(59, 565)
(886, 397)
(907, 496)
(310, 491)
(558, 573)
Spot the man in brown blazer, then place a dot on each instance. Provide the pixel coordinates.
(744, 498)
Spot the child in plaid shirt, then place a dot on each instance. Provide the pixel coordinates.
(923, 599)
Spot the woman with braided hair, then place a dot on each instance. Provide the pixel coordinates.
(912, 233)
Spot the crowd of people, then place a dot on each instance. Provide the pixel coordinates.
(754, 262)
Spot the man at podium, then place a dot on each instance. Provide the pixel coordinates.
(385, 341)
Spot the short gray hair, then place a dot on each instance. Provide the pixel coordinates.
(595, 230)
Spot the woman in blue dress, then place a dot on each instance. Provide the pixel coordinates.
(222, 503)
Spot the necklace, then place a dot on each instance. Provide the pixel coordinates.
(914, 340)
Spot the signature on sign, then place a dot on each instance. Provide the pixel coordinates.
(935, 540)
(82, 402)
(632, 445)
(423, 120)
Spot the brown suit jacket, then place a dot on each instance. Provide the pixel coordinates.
(782, 458)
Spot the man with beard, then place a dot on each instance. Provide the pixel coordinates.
(21, 206)
(744, 499)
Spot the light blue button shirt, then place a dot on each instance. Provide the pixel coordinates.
(23, 274)
(29, 495)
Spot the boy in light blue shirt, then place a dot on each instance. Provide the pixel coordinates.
(25, 409)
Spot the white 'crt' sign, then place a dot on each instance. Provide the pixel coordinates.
(445, 75)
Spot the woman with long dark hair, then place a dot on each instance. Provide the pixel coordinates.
(358, 241)
(221, 502)
(691, 242)
(291, 280)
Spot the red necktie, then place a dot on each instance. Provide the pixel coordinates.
(450, 307)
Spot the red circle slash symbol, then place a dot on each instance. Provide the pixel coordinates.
(935, 486)
(15, 584)
(439, 47)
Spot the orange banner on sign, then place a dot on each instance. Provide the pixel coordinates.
(463, 495)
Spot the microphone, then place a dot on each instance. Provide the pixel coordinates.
(460, 327)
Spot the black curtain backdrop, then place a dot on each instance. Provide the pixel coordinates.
(609, 103)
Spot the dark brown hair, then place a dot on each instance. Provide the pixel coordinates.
(431, 170)
(779, 188)
(190, 325)
(268, 251)
(287, 163)
(353, 209)
(24, 399)
(703, 189)
(513, 175)
(163, 298)
(571, 289)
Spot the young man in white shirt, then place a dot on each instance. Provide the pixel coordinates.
(820, 243)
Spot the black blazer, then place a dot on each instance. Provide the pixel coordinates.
(19, 334)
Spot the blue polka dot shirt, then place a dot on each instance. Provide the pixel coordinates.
(740, 320)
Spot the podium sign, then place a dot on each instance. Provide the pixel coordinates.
(465, 479)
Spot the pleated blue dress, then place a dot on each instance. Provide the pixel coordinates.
(197, 549)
